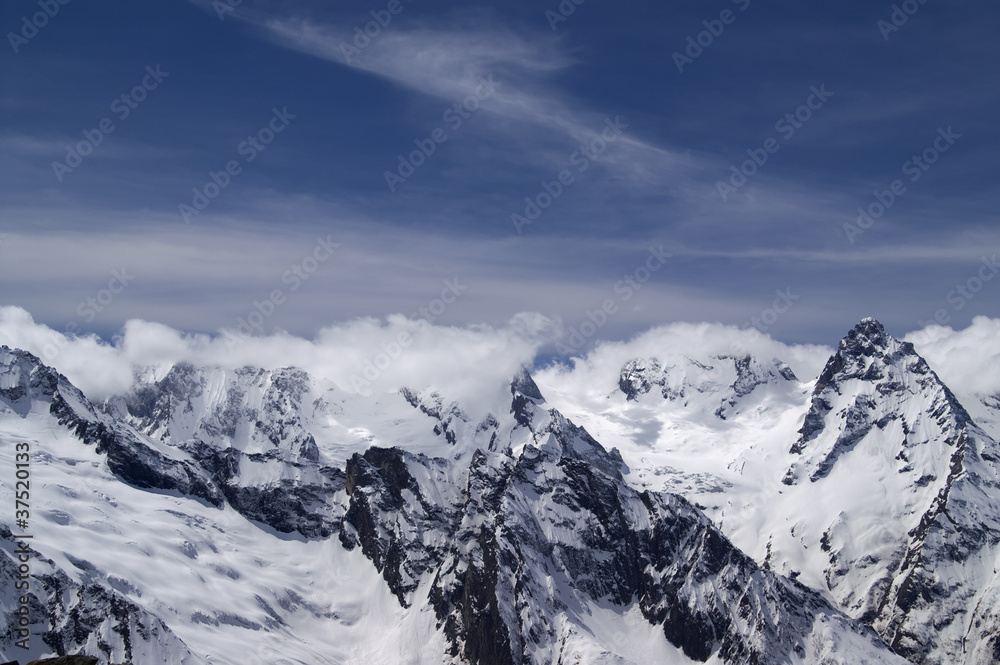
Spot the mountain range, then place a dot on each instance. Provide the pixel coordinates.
(710, 509)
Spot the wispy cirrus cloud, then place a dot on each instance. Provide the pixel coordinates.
(449, 61)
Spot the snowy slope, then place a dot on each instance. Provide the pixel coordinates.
(319, 527)
(712, 429)
(871, 483)
(539, 548)
(901, 491)
(209, 585)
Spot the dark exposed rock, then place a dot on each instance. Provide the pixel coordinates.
(66, 660)
(524, 384)
(558, 513)
(375, 484)
(141, 466)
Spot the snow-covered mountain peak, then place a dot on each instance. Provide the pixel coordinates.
(249, 408)
(868, 332)
(896, 492)
(876, 382)
(721, 380)
(23, 377)
(532, 547)
(523, 384)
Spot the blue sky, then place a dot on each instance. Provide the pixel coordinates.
(309, 128)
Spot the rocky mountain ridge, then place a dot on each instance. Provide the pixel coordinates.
(513, 550)
(514, 536)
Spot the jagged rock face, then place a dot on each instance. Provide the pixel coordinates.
(393, 520)
(234, 426)
(911, 528)
(26, 380)
(66, 660)
(530, 542)
(449, 420)
(253, 410)
(893, 372)
(727, 379)
(290, 490)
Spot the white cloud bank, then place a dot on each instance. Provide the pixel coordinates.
(371, 355)
(362, 355)
(966, 360)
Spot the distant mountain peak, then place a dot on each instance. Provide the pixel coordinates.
(868, 336)
(887, 372)
(23, 372)
(719, 383)
(525, 385)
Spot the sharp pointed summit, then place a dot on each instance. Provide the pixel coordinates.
(525, 385)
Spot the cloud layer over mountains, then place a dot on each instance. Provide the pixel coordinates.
(370, 355)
